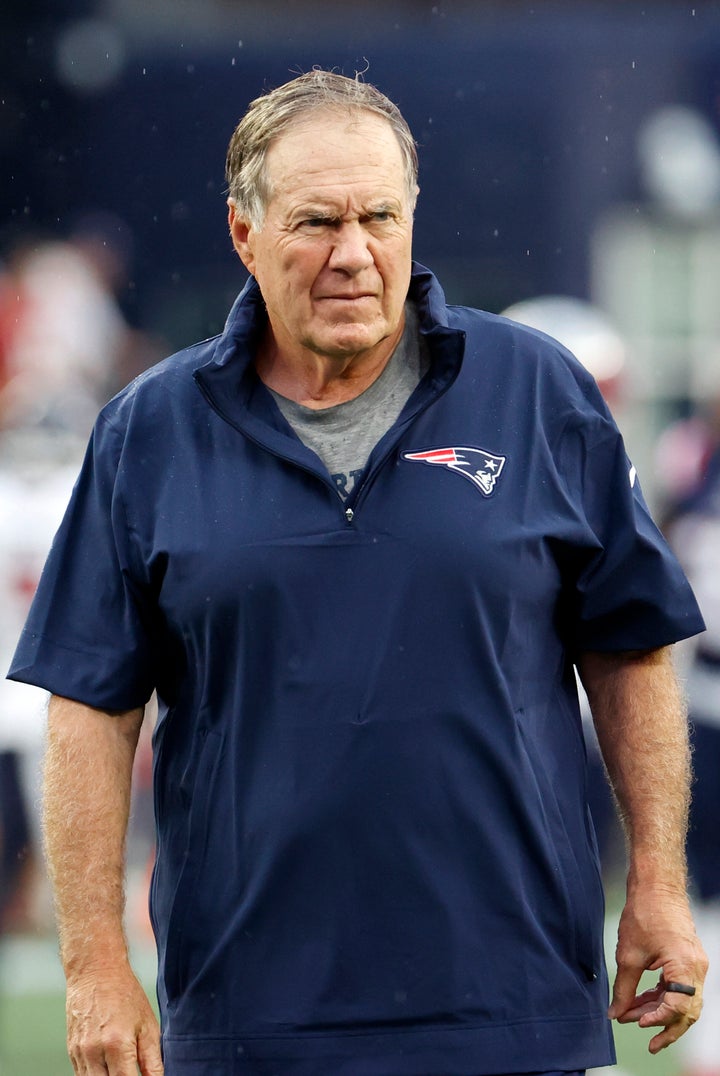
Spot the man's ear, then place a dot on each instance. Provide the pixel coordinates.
(240, 233)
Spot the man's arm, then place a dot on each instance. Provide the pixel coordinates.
(641, 725)
(88, 772)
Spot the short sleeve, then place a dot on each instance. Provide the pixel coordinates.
(89, 634)
(629, 591)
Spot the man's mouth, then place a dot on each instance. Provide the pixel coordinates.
(349, 298)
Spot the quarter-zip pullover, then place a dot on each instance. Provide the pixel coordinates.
(374, 852)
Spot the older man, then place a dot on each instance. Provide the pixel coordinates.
(356, 544)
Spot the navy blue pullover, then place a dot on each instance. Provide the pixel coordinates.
(374, 851)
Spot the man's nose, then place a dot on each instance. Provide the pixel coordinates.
(350, 251)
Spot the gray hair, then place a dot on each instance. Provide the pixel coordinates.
(269, 116)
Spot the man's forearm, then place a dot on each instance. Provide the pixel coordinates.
(641, 723)
(87, 781)
(642, 728)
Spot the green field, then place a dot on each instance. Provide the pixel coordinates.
(32, 1018)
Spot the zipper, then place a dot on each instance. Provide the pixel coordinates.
(360, 492)
(397, 430)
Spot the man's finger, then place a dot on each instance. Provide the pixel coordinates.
(634, 1014)
(149, 1056)
(667, 1037)
(624, 991)
(643, 1003)
(675, 1016)
(120, 1060)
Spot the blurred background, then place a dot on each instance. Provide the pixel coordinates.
(570, 177)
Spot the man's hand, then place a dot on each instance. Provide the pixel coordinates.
(112, 1029)
(656, 933)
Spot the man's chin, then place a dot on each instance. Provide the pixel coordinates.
(345, 344)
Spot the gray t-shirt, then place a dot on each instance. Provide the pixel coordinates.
(343, 436)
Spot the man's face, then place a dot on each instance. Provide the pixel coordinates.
(333, 256)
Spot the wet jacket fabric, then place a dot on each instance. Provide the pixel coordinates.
(374, 852)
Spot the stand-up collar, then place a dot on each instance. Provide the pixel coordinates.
(229, 380)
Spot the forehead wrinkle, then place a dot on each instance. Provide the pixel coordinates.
(297, 161)
(323, 158)
(345, 203)
(326, 177)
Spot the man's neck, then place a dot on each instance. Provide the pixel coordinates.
(318, 381)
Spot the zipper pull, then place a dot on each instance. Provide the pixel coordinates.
(349, 515)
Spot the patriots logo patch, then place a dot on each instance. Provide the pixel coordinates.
(479, 467)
